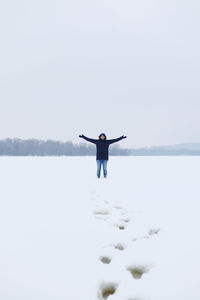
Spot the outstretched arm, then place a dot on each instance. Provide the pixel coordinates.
(117, 140)
(88, 139)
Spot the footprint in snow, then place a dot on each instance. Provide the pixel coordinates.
(101, 212)
(118, 207)
(106, 290)
(153, 231)
(120, 226)
(105, 259)
(137, 271)
(120, 246)
(126, 220)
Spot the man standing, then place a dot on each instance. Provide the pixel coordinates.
(102, 147)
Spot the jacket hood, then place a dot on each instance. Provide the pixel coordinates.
(102, 134)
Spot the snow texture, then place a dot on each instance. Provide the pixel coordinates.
(61, 229)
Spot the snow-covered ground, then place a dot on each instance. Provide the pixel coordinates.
(66, 235)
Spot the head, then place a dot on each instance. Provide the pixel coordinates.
(102, 136)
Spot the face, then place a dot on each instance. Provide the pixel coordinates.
(102, 137)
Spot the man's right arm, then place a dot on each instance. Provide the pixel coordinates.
(88, 139)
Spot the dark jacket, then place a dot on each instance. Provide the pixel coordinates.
(102, 146)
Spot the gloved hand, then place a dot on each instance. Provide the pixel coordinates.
(124, 136)
(81, 135)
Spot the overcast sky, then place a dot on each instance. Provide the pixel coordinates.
(85, 66)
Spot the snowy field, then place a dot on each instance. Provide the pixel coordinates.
(65, 235)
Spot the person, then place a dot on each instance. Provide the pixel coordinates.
(102, 150)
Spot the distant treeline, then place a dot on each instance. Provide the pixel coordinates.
(162, 151)
(35, 147)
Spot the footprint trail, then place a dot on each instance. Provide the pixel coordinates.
(107, 213)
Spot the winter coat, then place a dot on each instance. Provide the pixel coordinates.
(102, 146)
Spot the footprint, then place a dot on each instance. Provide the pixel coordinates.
(126, 220)
(105, 259)
(101, 212)
(120, 246)
(120, 226)
(106, 290)
(137, 271)
(118, 207)
(153, 231)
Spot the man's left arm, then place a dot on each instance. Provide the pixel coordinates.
(117, 139)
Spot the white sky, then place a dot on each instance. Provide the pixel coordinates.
(119, 67)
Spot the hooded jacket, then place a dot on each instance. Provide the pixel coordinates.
(102, 146)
